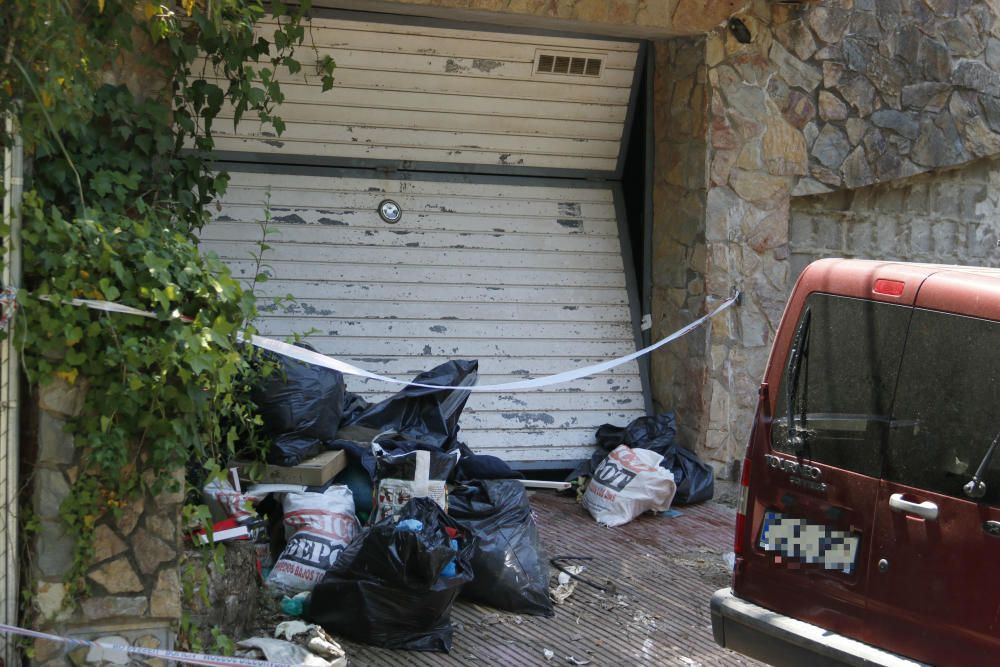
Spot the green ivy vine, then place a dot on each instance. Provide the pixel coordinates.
(116, 101)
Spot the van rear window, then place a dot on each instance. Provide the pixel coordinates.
(846, 376)
(949, 389)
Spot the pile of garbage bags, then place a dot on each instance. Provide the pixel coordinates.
(381, 552)
(694, 479)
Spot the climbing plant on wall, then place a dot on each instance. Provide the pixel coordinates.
(116, 103)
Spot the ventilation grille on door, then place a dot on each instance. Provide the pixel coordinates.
(579, 66)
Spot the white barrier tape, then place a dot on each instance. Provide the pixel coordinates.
(109, 306)
(179, 656)
(317, 359)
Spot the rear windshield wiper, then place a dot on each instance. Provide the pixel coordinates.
(795, 439)
(976, 487)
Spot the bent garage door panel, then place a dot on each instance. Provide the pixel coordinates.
(526, 278)
(429, 94)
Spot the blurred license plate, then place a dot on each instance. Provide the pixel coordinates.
(809, 542)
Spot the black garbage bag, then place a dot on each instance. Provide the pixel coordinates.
(300, 405)
(395, 584)
(484, 466)
(417, 417)
(509, 565)
(695, 479)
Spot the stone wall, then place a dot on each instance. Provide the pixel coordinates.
(949, 218)
(825, 97)
(678, 252)
(135, 588)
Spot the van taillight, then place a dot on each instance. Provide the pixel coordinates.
(888, 287)
(741, 508)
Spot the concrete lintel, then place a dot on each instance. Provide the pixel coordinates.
(672, 18)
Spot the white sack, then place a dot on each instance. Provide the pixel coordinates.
(626, 484)
(318, 526)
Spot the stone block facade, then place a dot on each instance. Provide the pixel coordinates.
(948, 217)
(135, 591)
(869, 104)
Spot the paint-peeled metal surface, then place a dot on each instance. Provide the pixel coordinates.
(528, 279)
(664, 569)
(443, 95)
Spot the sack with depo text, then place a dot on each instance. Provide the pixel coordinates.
(318, 527)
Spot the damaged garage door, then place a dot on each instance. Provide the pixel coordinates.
(525, 276)
(448, 98)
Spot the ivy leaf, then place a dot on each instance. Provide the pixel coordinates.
(75, 357)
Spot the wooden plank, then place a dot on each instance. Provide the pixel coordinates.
(353, 151)
(429, 275)
(314, 471)
(562, 295)
(343, 96)
(444, 312)
(388, 83)
(453, 223)
(624, 383)
(526, 418)
(500, 368)
(521, 67)
(568, 206)
(402, 235)
(436, 328)
(442, 257)
(542, 190)
(304, 115)
(534, 401)
(421, 138)
(468, 349)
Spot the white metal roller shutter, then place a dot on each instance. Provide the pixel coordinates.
(528, 279)
(411, 93)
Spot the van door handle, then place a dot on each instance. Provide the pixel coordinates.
(926, 509)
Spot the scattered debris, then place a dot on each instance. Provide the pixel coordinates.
(609, 587)
(567, 584)
(293, 606)
(548, 654)
(287, 653)
(291, 629)
(573, 660)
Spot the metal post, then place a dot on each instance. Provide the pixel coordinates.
(9, 396)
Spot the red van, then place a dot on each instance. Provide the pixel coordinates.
(868, 529)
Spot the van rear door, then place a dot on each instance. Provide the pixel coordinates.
(934, 570)
(811, 496)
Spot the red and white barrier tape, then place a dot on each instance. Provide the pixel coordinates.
(310, 357)
(179, 656)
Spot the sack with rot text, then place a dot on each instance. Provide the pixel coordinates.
(318, 526)
(626, 484)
